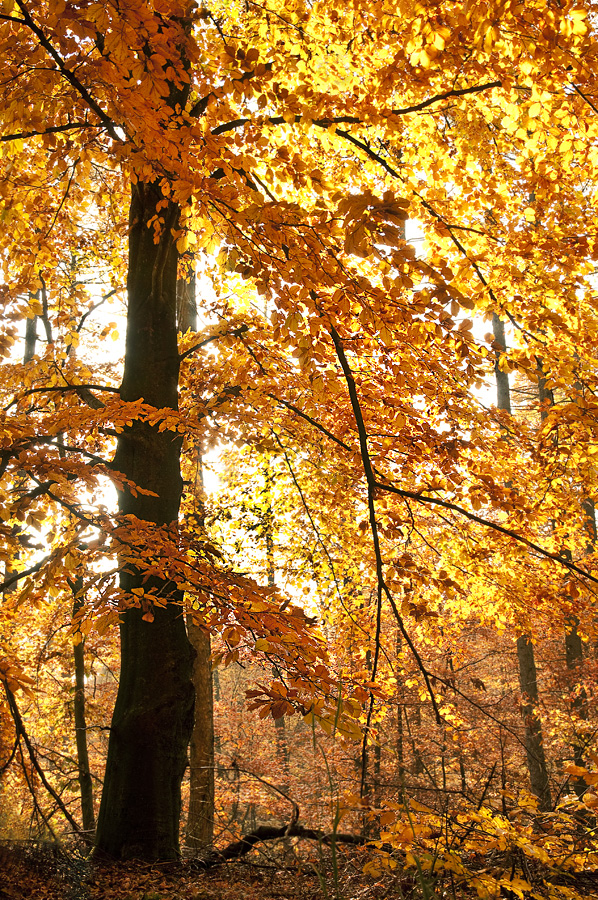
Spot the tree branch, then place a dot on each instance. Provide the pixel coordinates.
(372, 484)
(355, 120)
(62, 389)
(12, 579)
(446, 504)
(239, 849)
(53, 129)
(66, 72)
(21, 730)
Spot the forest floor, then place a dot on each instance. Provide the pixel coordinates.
(30, 871)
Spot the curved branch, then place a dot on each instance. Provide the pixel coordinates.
(386, 485)
(273, 787)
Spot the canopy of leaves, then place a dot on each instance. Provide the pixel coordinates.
(361, 185)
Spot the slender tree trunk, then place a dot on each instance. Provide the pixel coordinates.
(573, 642)
(400, 708)
(200, 819)
(30, 339)
(199, 831)
(84, 773)
(416, 721)
(282, 745)
(400, 743)
(377, 773)
(534, 745)
(578, 701)
(28, 354)
(528, 682)
(574, 653)
(153, 715)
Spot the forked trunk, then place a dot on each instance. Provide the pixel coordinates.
(153, 716)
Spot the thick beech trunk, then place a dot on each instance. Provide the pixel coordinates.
(534, 745)
(153, 716)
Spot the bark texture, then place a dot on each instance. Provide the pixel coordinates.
(534, 745)
(153, 716)
(199, 832)
(200, 819)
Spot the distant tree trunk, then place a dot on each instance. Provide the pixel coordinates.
(28, 354)
(400, 743)
(528, 682)
(574, 662)
(573, 642)
(534, 744)
(30, 339)
(186, 305)
(153, 715)
(200, 819)
(416, 719)
(199, 831)
(84, 773)
(400, 709)
(282, 746)
(574, 648)
(377, 773)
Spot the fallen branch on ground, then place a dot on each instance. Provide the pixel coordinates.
(241, 848)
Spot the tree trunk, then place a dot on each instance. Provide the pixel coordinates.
(153, 715)
(84, 774)
(573, 642)
(282, 745)
(400, 711)
(200, 819)
(30, 339)
(534, 745)
(199, 832)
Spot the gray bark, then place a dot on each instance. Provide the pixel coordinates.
(30, 339)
